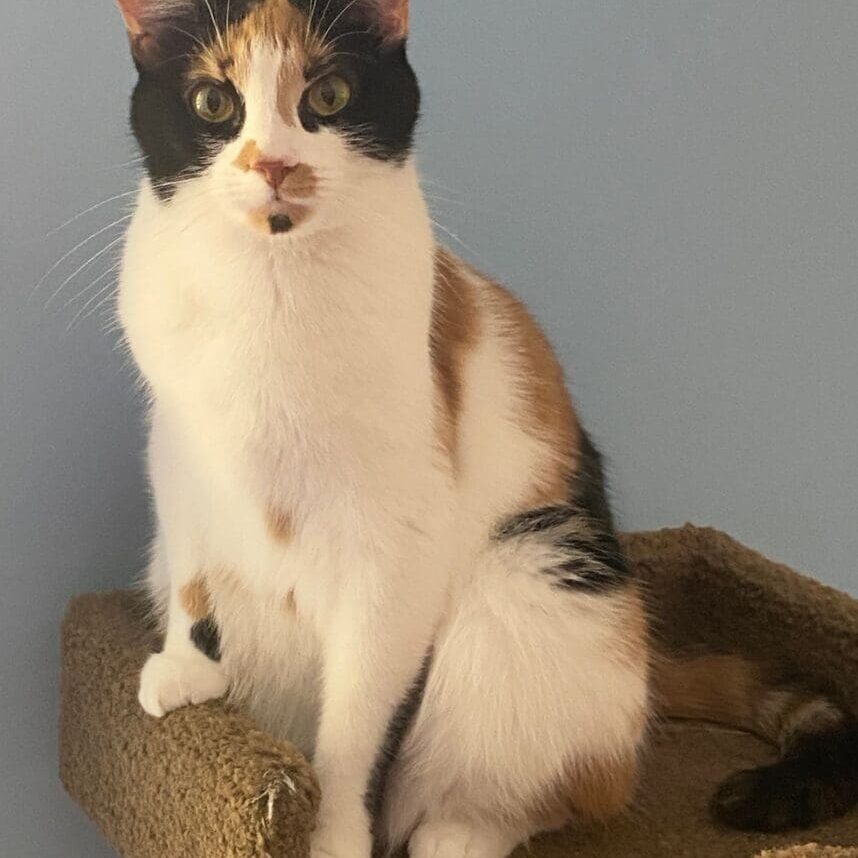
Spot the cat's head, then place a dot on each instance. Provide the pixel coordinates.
(275, 109)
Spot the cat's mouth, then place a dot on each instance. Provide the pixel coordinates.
(279, 217)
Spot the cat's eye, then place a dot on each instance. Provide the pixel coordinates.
(213, 104)
(329, 95)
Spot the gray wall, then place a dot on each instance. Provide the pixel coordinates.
(672, 184)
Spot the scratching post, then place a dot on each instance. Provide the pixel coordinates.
(204, 783)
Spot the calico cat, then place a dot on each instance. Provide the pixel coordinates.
(381, 525)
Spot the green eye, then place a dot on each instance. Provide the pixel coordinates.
(213, 103)
(329, 95)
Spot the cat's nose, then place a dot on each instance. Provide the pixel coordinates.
(274, 172)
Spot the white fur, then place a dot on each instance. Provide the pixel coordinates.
(293, 373)
(171, 680)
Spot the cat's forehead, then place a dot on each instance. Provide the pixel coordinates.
(273, 25)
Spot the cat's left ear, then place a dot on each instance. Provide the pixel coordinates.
(148, 24)
(390, 18)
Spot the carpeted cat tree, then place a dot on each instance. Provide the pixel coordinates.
(203, 783)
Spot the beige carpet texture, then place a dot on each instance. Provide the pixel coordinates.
(204, 783)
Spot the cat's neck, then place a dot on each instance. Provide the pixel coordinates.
(352, 300)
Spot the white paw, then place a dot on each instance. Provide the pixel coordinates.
(170, 681)
(341, 841)
(333, 850)
(458, 840)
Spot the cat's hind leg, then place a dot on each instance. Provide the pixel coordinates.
(536, 704)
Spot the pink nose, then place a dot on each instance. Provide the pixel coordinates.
(274, 172)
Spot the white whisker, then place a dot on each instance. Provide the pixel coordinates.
(342, 12)
(85, 212)
(218, 33)
(80, 313)
(455, 238)
(310, 15)
(134, 162)
(341, 36)
(77, 247)
(115, 267)
(83, 267)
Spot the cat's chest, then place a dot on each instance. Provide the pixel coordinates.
(268, 517)
(251, 345)
(191, 348)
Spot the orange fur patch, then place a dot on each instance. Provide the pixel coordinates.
(719, 688)
(595, 791)
(274, 22)
(297, 214)
(280, 525)
(455, 331)
(603, 788)
(259, 219)
(290, 604)
(195, 599)
(728, 689)
(546, 410)
(249, 156)
(300, 183)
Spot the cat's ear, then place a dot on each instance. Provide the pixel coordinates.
(151, 27)
(389, 17)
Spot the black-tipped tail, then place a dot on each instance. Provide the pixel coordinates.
(815, 781)
(816, 777)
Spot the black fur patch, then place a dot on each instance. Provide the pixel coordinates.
(536, 521)
(396, 731)
(817, 780)
(206, 638)
(177, 145)
(583, 529)
(385, 108)
(380, 119)
(589, 490)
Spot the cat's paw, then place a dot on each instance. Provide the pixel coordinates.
(170, 681)
(333, 850)
(458, 840)
(341, 841)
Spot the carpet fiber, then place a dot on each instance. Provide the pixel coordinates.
(203, 783)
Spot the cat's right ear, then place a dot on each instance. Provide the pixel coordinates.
(150, 25)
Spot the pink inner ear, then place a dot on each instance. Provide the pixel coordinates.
(392, 18)
(133, 12)
(145, 20)
(142, 15)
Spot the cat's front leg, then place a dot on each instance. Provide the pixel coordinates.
(376, 643)
(187, 671)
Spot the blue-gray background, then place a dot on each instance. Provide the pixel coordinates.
(671, 184)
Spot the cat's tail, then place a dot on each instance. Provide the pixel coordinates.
(816, 777)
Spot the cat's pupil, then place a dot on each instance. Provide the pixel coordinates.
(329, 94)
(213, 102)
